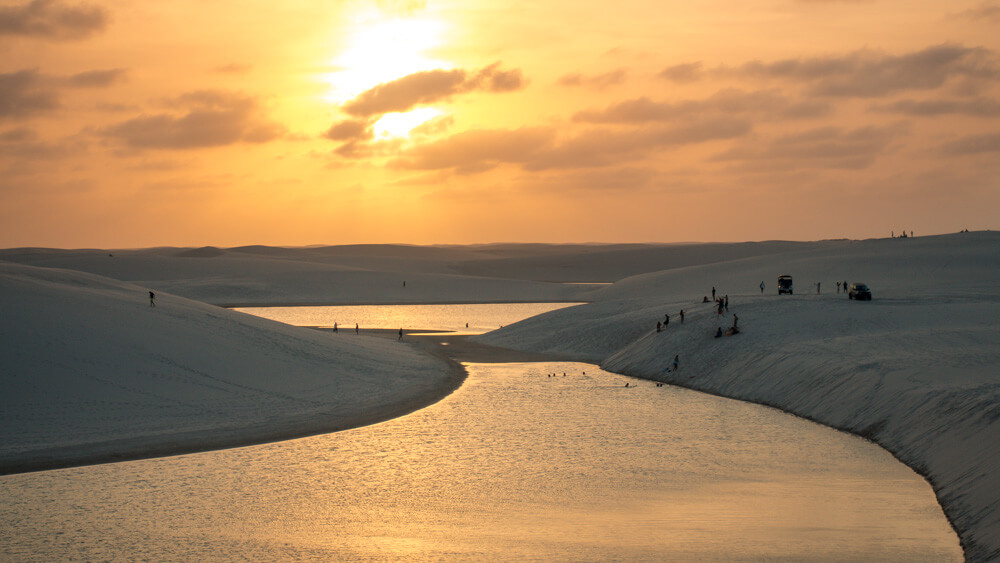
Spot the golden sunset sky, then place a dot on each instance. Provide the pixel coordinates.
(135, 123)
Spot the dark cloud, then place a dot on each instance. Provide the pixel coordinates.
(871, 74)
(978, 107)
(52, 19)
(25, 144)
(96, 78)
(732, 102)
(430, 86)
(212, 118)
(688, 72)
(24, 93)
(973, 144)
(601, 147)
(598, 81)
(351, 130)
(987, 11)
(825, 147)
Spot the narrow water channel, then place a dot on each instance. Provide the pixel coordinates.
(515, 465)
(520, 463)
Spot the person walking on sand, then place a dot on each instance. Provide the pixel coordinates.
(400, 334)
(682, 316)
(152, 299)
(817, 288)
(334, 327)
(762, 287)
(736, 320)
(666, 321)
(355, 328)
(838, 287)
(658, 327)
(713, 292)
(727, 302)
(677, 359)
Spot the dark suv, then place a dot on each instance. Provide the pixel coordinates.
(859, 291)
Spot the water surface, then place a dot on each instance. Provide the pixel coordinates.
(470, 318)
(515, 465)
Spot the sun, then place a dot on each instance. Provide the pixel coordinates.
(400, 124)
(382, 49)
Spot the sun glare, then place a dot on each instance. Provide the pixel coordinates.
(381, 50)
(400, 124)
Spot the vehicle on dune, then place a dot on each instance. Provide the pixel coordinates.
(785, 284)
(859, 291)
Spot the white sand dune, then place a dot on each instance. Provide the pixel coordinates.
(95, 371)
(92, 373)
(916, 370)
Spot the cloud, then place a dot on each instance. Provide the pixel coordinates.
(52, 19)
(351, 130)
(24, 144)
(538, 148)
(978, 107)
(986, 11)
(687, 72)
(97, 78)
(427, 87)
(212, 119)
(731, 102)
(24, 93)
(825, 147)
(871, 74)
(600, 147)
(598, 81)
(973, 144)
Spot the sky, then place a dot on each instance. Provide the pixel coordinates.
(128, 124)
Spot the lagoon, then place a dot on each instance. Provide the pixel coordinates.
(525, 461)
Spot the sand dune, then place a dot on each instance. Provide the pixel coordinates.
(92, 373)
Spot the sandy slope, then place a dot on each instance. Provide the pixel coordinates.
(917, 369)
(92, 373)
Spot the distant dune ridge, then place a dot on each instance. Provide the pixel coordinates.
(93, 371)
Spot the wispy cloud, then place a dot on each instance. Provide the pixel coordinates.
(823, 147)
(597, 81)
(872, 74)
(973, 144)
(978, 107)
(428, 87)
(24, 93)
(208, 119)
(686, 72)
(97, 78)
(731, 101)
(53, 19)
(987, 11)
